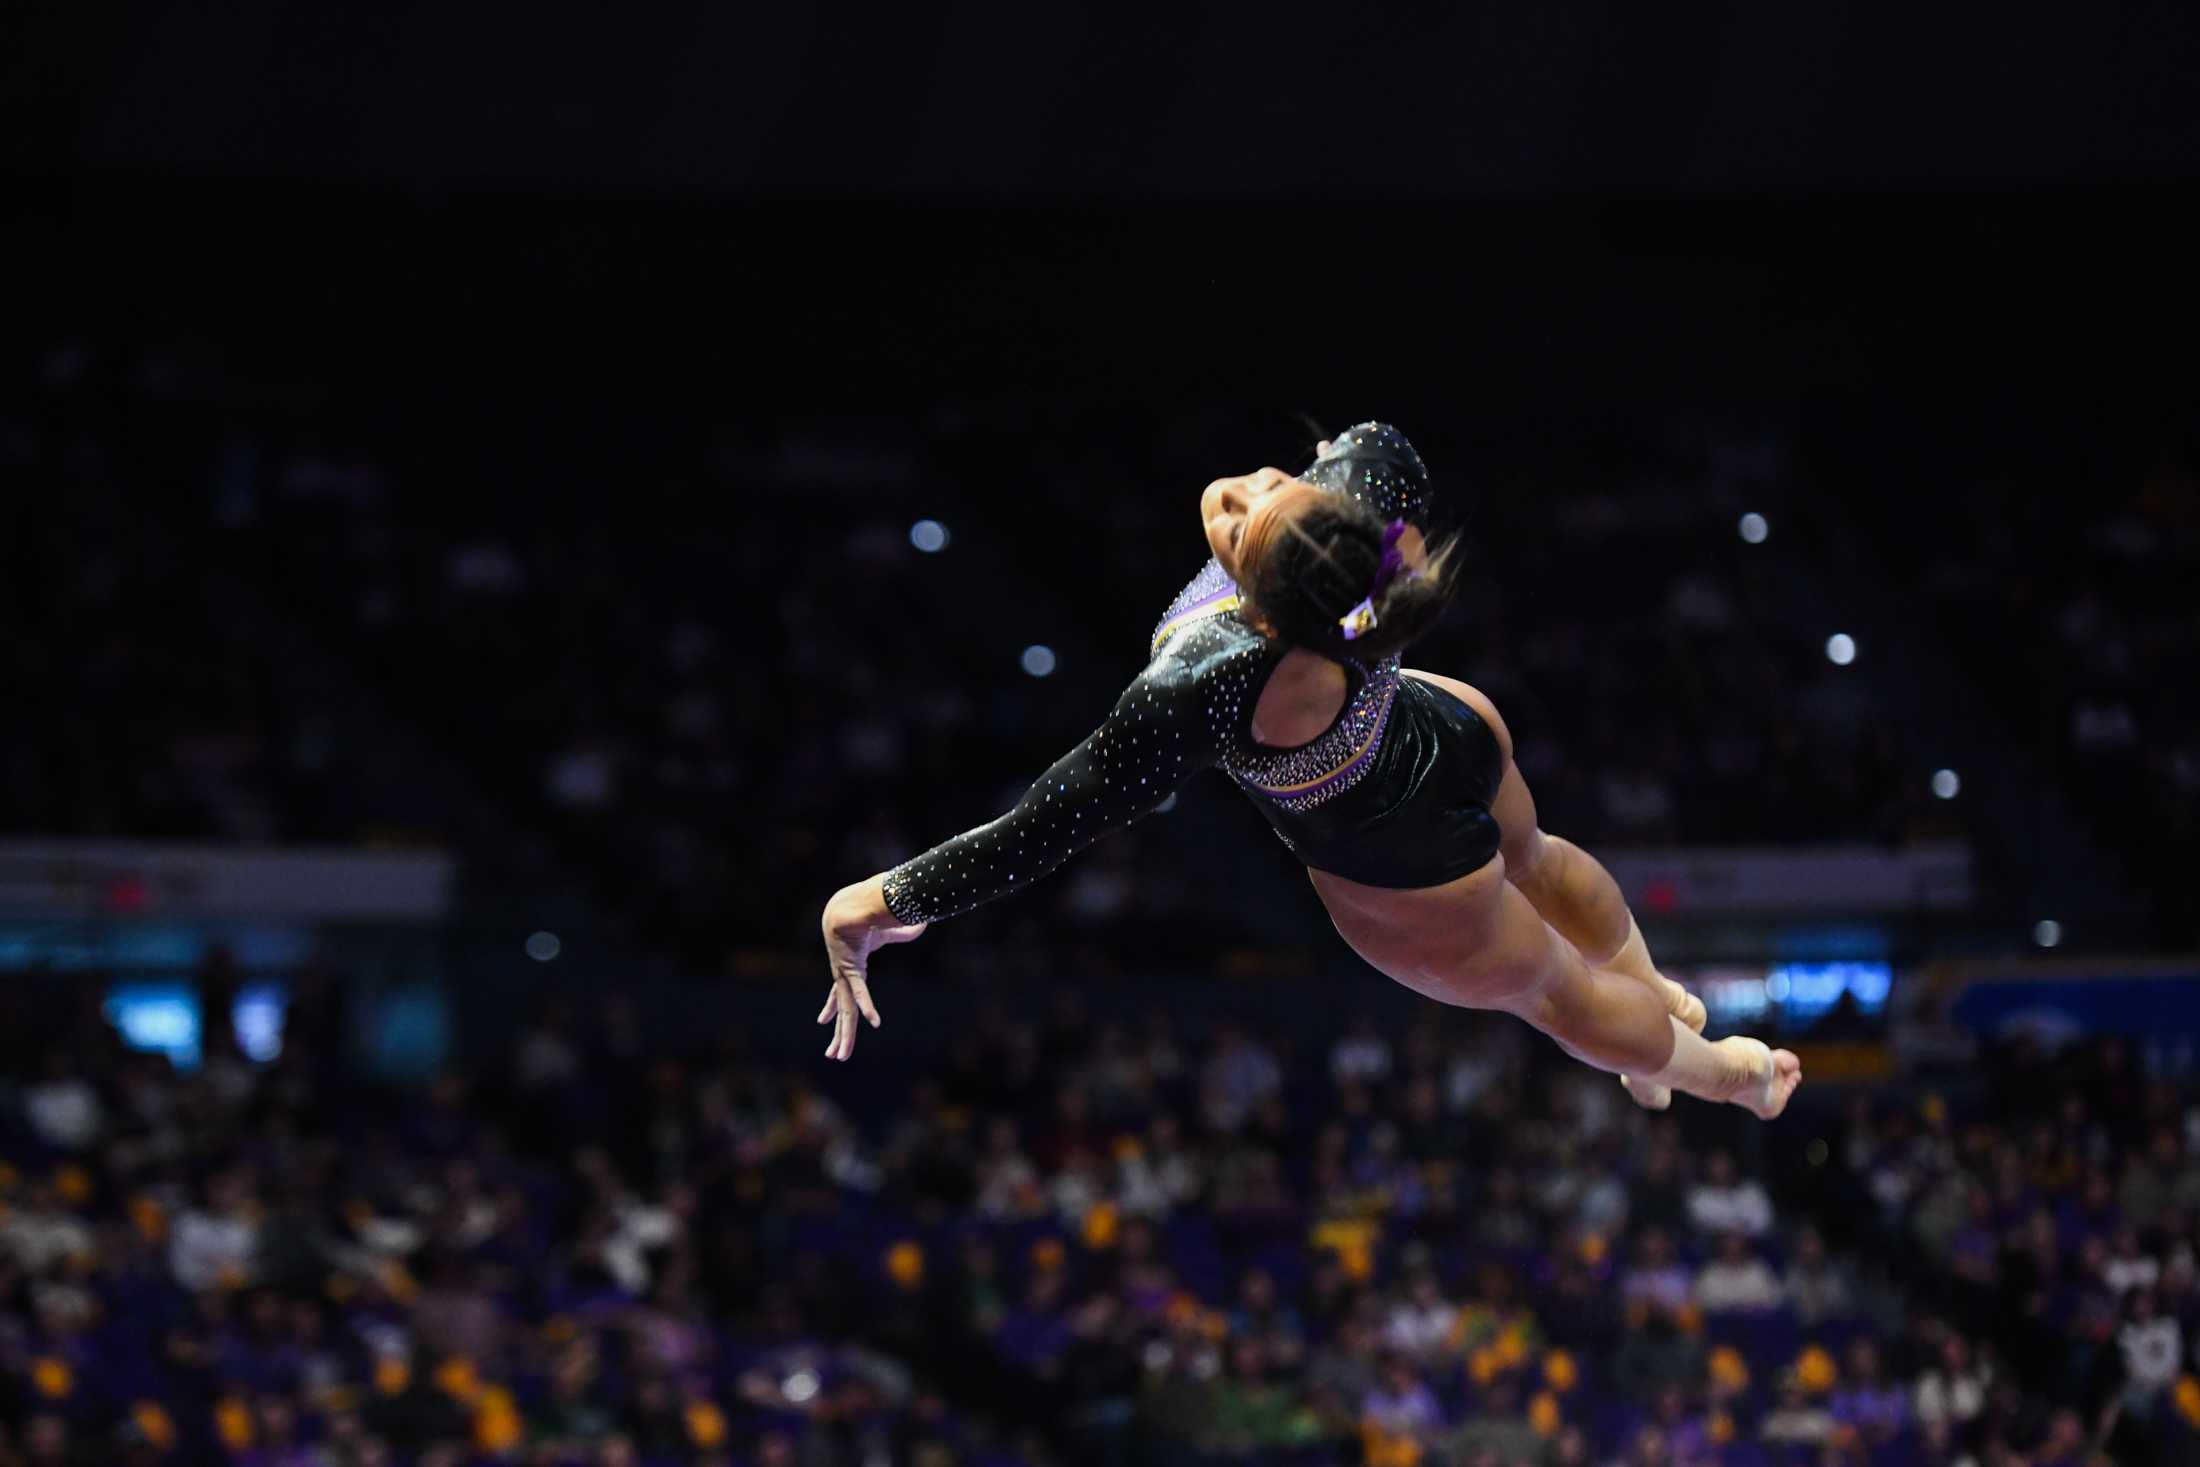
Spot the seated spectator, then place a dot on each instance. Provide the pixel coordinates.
(1816, 1286)
(1420, 1324)
(2153, 1346)
(1008, 1183)
(1659, 1281)
(1497, 1429)
(1654, 1353)
(1723, 1202)
(1349, 1364)
(1178, 1170)
(1600, 1202)
(2127, 1267)
(2065, 1444)
(1502, 1219)
(1687, 1435)
(1360, 1053)
(1737, 1281)
(1036, 1334)
(1262, 1313)
(1078, 1187)
(1570, 1448)
(1953, 1388)
(2158, 1182)
(39, 1231)
(1251, 1413)
(63, 1109)
(2091, 1214)
(213, 1243)
(1795, 1420)
(1240, 1074)
(1400, 1404)
(1973, 1248)
(1866, 1401)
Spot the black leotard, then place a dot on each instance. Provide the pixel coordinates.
(1396, 792)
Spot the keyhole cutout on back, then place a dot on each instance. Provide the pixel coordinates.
(1299, 702)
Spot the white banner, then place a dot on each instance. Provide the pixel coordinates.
(1767, 880)
(86, 879)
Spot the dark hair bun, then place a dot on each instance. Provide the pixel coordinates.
(1314, 569)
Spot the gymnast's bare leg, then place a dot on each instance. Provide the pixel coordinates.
(1572, 891)
(1478, 942)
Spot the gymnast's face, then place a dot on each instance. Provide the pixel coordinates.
(1243, 515)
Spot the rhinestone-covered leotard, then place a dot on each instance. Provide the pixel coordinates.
(1192, 708)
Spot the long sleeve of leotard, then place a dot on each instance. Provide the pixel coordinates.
(1170, 723)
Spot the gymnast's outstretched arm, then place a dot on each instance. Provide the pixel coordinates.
(1160, 732)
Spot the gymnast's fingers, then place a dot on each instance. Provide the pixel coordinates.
(862, 992)
(844, 1035)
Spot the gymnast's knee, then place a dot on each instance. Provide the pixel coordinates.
(1549, 997)
(1607, 1023)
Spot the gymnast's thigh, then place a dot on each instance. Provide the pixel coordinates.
(1475, 942)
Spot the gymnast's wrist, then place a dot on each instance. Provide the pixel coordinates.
(861, 907)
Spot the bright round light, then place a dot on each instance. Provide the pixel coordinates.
(543, 946)
(1753, 528)
(800, 1386)
(1038, 660)
(929, 536)
(1946, 784)
(1840, 649)
(2047, 932)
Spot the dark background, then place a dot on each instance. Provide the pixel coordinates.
(1247, 103)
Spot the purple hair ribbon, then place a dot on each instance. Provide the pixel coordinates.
(1360, 620)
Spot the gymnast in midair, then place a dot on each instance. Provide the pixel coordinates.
(1280, 665)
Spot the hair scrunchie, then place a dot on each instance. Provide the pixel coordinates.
(1360, 620)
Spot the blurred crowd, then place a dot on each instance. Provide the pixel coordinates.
(721, 665)
(145, 702)
(2078, 611)
(1074, 1237)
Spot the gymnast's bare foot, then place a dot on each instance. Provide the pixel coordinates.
(1767, 1076)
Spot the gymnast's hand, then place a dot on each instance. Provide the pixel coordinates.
(857, 924)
